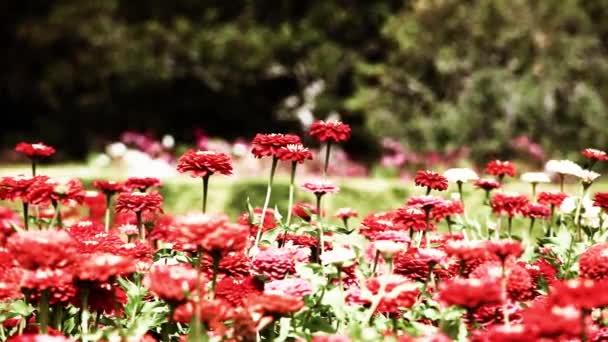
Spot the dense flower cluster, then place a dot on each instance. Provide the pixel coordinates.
(269, 144)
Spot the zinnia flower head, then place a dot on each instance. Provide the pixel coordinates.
(274, 263)
(581, 293)
(303, 210)
(470, 293)
(506, 248)
(204, 163)
(268, 144)
(508, 204)
(447, 208)
(320, 187)
(346, 213)
(593, 263)
(42, 248)
(535, 177)
(294, 153)
(139, 202)
(431, 180)
(294, 287)
(141, 183)
(588, 177)
(595, 154)
(563, 167)
(600, 199)
(552, 198)
(274, 305)
(340, 256)
(411, 218)
(172, 282)
(236, 289)
(268, 223)
(500, 168)
(214, 233)
(519, 282)
(35, 151)
(108, 187)
(460, 175)
(13, 188)
(427, 202)
(399, 292)
(46, 190)
(334, 131)
(487, 184)
(536, 211)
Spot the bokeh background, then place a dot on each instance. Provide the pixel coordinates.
(451, 77)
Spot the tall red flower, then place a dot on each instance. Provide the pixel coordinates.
(172, 283)
(506, 248)
(536, 211)
(399, 292)
(470, 293)
(268, 144)
(500, 168)
(274, 263)
(101, 267)
(487, 184)
(108, 187)
(595, 154)
(13, 188)
(214, 233)
(508, 204)
(410, 218)
(303, 210)
(139, 202)
(46, 190)
(42, 249)
(593, 263)
(321, 187)
(346, 213)
(38, 150)
(335, 131)
(520, 285)
(447, 208)
(431, 180)
(552, 198)
(142, 183)
(235, 289)
(204, 163)
(269, 221)
(600, 199)
(294, 153)
(274, 305)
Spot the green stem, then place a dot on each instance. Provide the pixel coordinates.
(561, 182)
(57, 217)
(577, 215)
(534, 192)
(532, 221)
(509, 226)
(327, 151)
(291, 191)
(321, 248)
(503, 283)
(108, 208)
(459, 183)
(140, 227)
(266, 200)
(26, 217)
(84, 323)
(44, 311)
(376, 258)
(34, 167)
(216, 265)
(205, 190)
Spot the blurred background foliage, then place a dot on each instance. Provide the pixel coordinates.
(435, 74)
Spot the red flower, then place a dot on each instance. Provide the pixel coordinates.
(374, 223)
(214, 233)
(447, 208)
(40, 338)
(268, 144)
(470, 293)
(540, 269)
(235, 290)
(427, 203)
(555, 323)
(508, 204)
(33, 151)
(431, 180)
(536, 211)
(100, 267)
(581, 293)
(411, 218)
(346, 213)
(269, 221)
(593, 263)
(487, 184)
(232, 264)
(139, 202)
(504, 249)
(551, 198)
(300, 240)
(172, 282)
(399, 292)
(46, 190)
(294, 153)
(141, 183)
(415, 263)
(335, 131)
(519, 282)
(274, 263)
(42, 249)
(303, 210)
(600, 199)
(273, 304)
(12, 188)
(321, 187)
(594, 154)
(505, 333)
(204, 163)
(108, 187)
(500, 168)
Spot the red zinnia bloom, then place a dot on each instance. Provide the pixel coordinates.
(321, 187)
(487, 184)
(172, 282)
(42, 248)
(505, 333)
(336, 131)
(470, 293)
(593, 263)
(46, 190)
(268, 144)
(551, 198)
(595, 154)
(100, 267)
(581, 293)
(274, 263)
(561, 323)
(204, 163)
(38, 150)
(269, 220)
(447, 208)
(294, 152)
(415, 263)
(504, 249)
(141, 183)
(411, 218)
(12, 188)
(232, 264)
(508, 204)
(273, 304)
(399, 292)
(300, 240)
(214, 233)
(303, 210)
(346, 213)
(431, 180)
(600, 199)
(500, 168)
(519, 282)
(296, 287)
(536, 211)
(374, 223)
(40, 338)
(427, 203)
(139, 202)
(108, 187)
(540, 269)
(235, 289)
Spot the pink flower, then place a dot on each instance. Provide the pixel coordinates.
(321, 187)
(295, 287)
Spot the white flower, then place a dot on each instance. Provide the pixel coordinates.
(168, 141)
(568, 205)
(564, 167)
(588, 176)
(338, 256)
(388, 248)
(535, 177)
(460, 175)
(116, 150)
